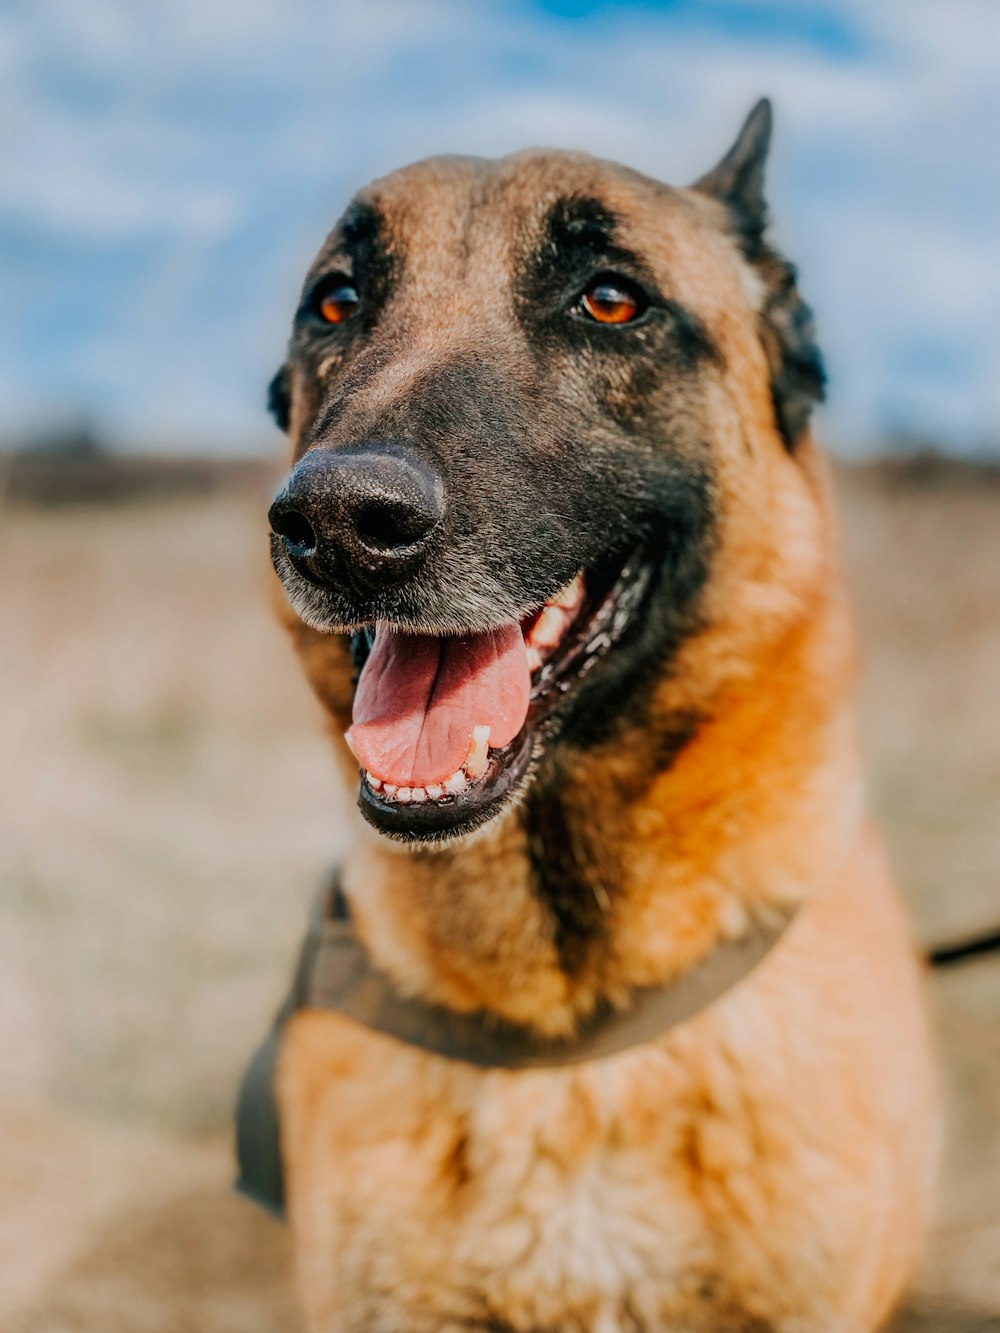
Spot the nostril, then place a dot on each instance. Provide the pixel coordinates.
(297, 531)
(385, 527)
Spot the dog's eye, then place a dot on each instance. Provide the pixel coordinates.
(611, 301)
(336, 301)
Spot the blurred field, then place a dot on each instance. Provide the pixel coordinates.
(168, 805)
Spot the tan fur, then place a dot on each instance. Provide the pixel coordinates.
(777, 1151)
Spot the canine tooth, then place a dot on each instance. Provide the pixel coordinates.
(570, 597)
(534, 658)
(373, 782)
(475, 760)
(455, 783)
(389, 788)
(549, 628)
(418, 794)
(350, 742)
(435, 791)
(404, 794)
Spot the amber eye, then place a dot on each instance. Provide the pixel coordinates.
(610, 302)
(337, 302)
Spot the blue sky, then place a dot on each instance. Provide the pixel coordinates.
(169, 167)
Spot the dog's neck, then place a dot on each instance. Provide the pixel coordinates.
(597, 884)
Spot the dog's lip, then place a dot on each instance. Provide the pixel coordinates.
(454, 816)
(615, 594)
(606, 614)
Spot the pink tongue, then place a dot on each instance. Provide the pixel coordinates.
(420, 696)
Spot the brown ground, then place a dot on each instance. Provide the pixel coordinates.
(168, 804)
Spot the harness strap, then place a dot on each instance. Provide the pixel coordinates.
(258, 1135)
(260, 1174)
(334, 972)
(341, 977)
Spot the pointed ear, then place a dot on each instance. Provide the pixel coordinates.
(784, 320)
(738, 180)
(279, 402)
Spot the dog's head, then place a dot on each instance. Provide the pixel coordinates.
(512, 390)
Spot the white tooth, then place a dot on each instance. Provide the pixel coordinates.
(455, 783)
(389, 788)
(405, 795)
(549, 628)
(435, 791)
(475, 760)
(373, 782)
(570, 597)
(417, 794)
(350, 742)
(534, 658)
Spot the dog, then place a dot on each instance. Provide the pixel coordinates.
(558, 558)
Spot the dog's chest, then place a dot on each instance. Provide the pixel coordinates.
(431, 1196)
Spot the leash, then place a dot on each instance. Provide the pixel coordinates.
(335, 973)
(975, 946)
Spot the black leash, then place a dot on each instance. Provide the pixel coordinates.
(946, 955)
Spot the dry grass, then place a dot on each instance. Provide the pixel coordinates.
(168, 804)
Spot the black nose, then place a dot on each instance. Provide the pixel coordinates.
(361, 518)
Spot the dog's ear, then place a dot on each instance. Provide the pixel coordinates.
(738, 180)
(279, 399)
(786, 322)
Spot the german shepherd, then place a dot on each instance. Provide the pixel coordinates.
(559, 559)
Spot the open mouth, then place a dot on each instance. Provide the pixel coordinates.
(445, 729)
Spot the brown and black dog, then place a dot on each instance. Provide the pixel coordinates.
(559, 557)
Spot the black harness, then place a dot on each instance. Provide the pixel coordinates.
(334, 972)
